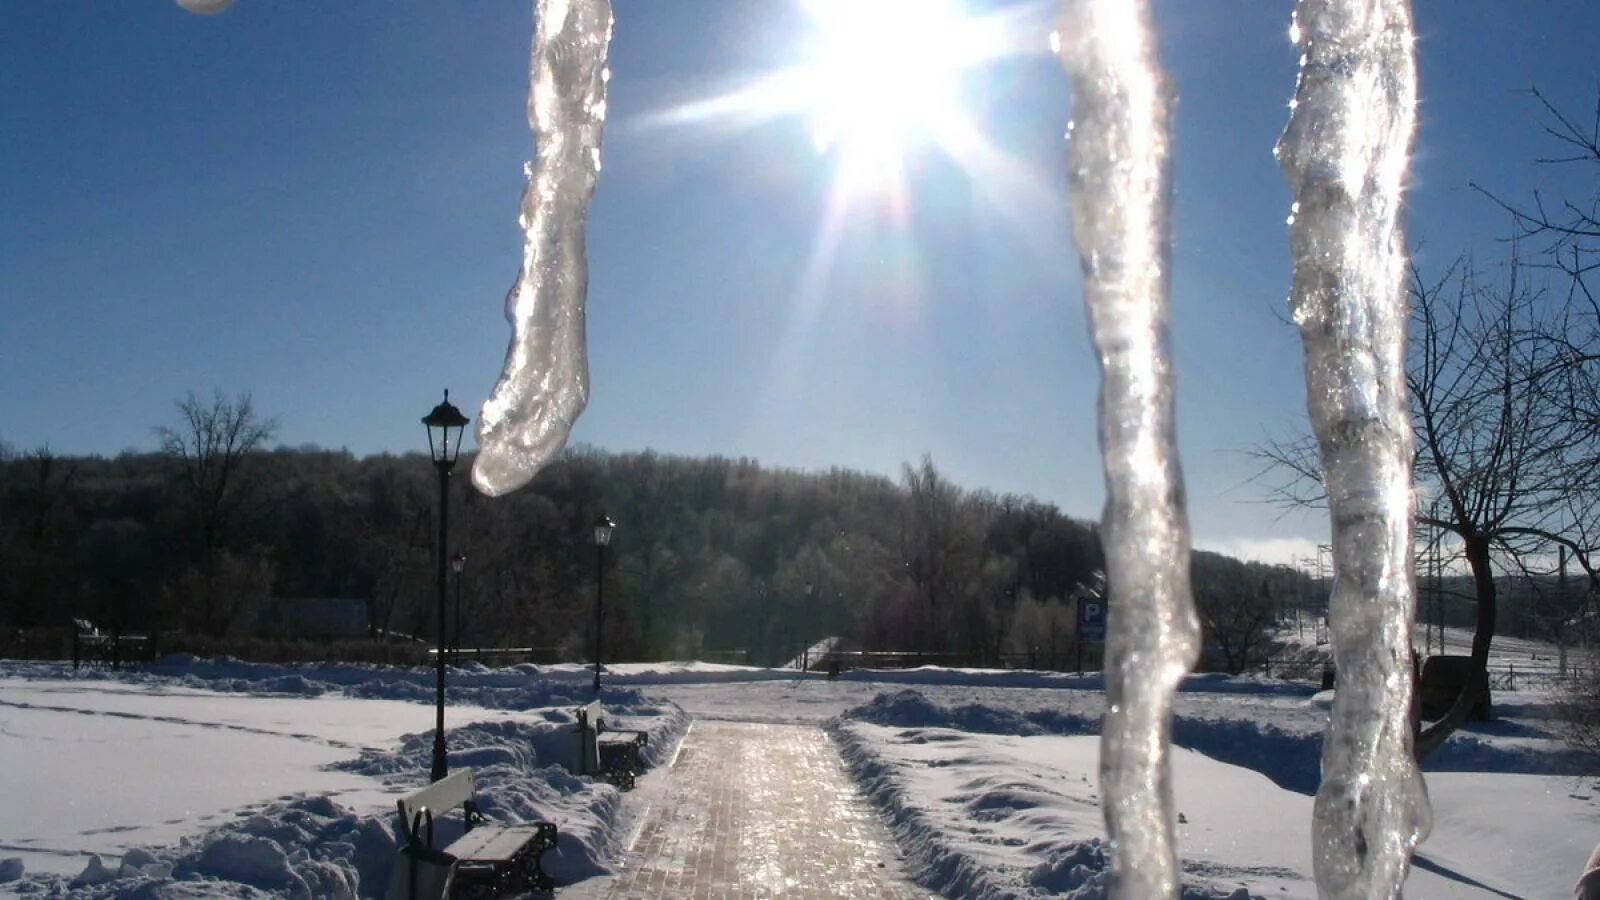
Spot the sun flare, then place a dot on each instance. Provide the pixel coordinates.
(873, 83)
(882, 77)
(877, 87)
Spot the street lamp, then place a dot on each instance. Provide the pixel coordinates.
(603, 527)
(458, 564)
(449, 424)
(805, 649)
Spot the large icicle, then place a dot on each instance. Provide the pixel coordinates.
(545, 383)
(1345, 152)
(1119, 179)
(205, 7)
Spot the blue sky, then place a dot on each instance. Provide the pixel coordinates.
(316, 203)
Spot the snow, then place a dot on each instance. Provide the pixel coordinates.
(1504, 650)
(998, 806)
(1034, 812)
(1029, 810)
(280, 780)
(216, 776)
(175, 766)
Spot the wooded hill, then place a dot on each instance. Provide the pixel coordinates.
(709, 554)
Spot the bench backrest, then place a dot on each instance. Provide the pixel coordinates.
(437, 799)
(586, 740)
(85, 626)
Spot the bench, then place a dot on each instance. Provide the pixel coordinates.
(611, 753)
(487, 861)
(1442, 680)
(90, 644)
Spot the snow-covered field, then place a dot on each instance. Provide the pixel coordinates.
(253, 780)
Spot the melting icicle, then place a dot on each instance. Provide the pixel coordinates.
(545, 382)
(205, 7)
(1119, 177)
(1345, 153)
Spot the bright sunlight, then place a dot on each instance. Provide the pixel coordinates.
(882, 77)
(875, 80)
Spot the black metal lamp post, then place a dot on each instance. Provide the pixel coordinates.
(458, 564)
(444, 446)
(805, 649)
(603, 527)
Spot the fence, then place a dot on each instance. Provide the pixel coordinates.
(1510, 676)
(1080, 658)
(504, 656)
(1504, 675)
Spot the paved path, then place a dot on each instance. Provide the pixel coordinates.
(754, 811)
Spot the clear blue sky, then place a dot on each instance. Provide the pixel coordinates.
(316, 203)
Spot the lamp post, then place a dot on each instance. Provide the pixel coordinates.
(603, 527)
(449, 423)
(805, 649)
(458, 564)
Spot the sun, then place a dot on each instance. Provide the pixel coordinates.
(881, 78)
(873, 82)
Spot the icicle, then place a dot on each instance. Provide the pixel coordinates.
(205, 7)
(1119, 178)
(1345, 152)
(545, 383)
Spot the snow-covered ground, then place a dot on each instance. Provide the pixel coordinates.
(1505, 650)
(990, 779)
(260, 780)
(251, 780)
(1001, 805)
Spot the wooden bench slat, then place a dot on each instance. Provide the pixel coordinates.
(440, 797)
(493, 843)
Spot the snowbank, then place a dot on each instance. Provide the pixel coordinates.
(999, 798)
(512, 727)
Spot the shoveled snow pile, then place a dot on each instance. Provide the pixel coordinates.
(999, 798)
(191, 757)
(309, 847)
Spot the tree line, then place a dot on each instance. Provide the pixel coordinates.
(710, 554)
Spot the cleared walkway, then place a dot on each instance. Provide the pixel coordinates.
(752, 811)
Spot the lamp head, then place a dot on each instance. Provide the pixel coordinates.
(603, 527)
(445, 426)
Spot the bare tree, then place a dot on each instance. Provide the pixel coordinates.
(1499, 458)
(1566, 234)
(211, 444)
(1567, 231)
(1237, 622)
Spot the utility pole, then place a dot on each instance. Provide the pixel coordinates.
(1561, 592)
(1439, 593)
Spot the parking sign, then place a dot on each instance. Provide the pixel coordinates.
(1092, 620)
